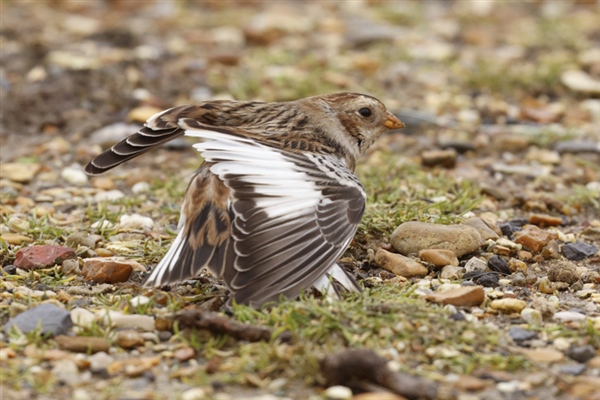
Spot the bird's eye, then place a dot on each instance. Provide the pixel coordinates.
(365, 112)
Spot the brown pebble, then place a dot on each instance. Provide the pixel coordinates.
(163, 323)
(399, 264)
(563, 272)
(470, 384)
(501, 250)
(534, 238)
(106, 270)
(37, 257)
(129, 339)
(524, 255)
(508, 306)
(517, 265)
(486, 230)
(441, 158)
(545, 286)
(184, 354)
(466, 296)
(15, 238)
(82, 344)
(544, 220)
(102, 252)
(438, 257)
(103, 183)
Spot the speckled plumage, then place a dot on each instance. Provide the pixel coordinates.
(276, 202)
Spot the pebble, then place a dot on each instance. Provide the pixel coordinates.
(508, 305)
(569, 316)
(185, 353)
(441, 158)
(498, 264)
(135, 221)
(485, 230)
(117, 319)
(82, 344)
(129, 339)
(577, 147)
(532, 316)
(545, 286)
(19, 172)
(66, 372)
(545, 355)
(71, 267)
(140, 187)
(108, 269)
(52, 319)
(399, 264)
(338, 393)
(74, 175)
(512, 226)
(451, 272)
(103, 183)
(476, 264)
(515, 265)
(15, 238)
(100, 361)
(111, 134)
(581, 354)
(195, 393)
(543, 220)
(109, 195)
(578, 250)
(573, 369)
(438, 257)
(83, 317)
(580, 81)
(520, 335)
(82, 239)
(563, 272)
(412, 237)
(43, 256)
(465, 296)
(534, 238)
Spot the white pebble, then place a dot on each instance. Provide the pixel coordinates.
(568, 316)
(193, 394)
(140, 187)
(102, 224)
(139, 301)
(82, 317)
(561, 344)
(135, 221)
(109, 195)
(74, 175)
(338, 393)
(475, 264)
(531, 316)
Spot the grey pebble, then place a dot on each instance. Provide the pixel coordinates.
(52, 319)
(581, 354)
(574, 369)
(520, 335)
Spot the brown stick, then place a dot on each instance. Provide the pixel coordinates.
(357, 368)
(215, 323)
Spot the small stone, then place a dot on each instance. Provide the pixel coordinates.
(577, 147)
(580, 81)
(543, 306)
(476, 264)
(525, 255)
(518, 280)
(594, 362)
(412, 237)
(52, 320)
(512, 226)
(111, 134)
(38, 257)
(581, 354)
(135, 221)
(109, 195)
(185, 353)
(569, 316)
(129, 321)
(531, 316)
(82, 344)
(399, 264)
(82, 239)
(15, 238)
(451, 272)
(82, 317)
(545, 286)
(193, 394)
(501, 250)
(543, 220)
(129, 339)
(71, 267)
(441, 158)
(578, 250)
(438, 257)
(563, 272)
(486, 232)
(508, 305)
(108, 269)
(534, 238)
(545, 355)
(74, 175)
(465, 296)
(573, 369)
(66, 372)
(470, 384)
(520, 335)
(19, 172)
(100, 361)
(140, 187)
(338, 393)
(515, 265)
(498, 264)
(139, 301)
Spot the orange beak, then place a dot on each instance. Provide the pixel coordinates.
(392, 122)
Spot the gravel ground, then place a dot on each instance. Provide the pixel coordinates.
(478, 250)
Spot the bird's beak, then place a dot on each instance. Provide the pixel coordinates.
(392, 122)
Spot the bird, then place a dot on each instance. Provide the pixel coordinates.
(275, 202)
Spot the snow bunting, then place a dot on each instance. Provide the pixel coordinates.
(275, 202)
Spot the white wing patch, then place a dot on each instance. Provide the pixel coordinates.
(281, 189)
